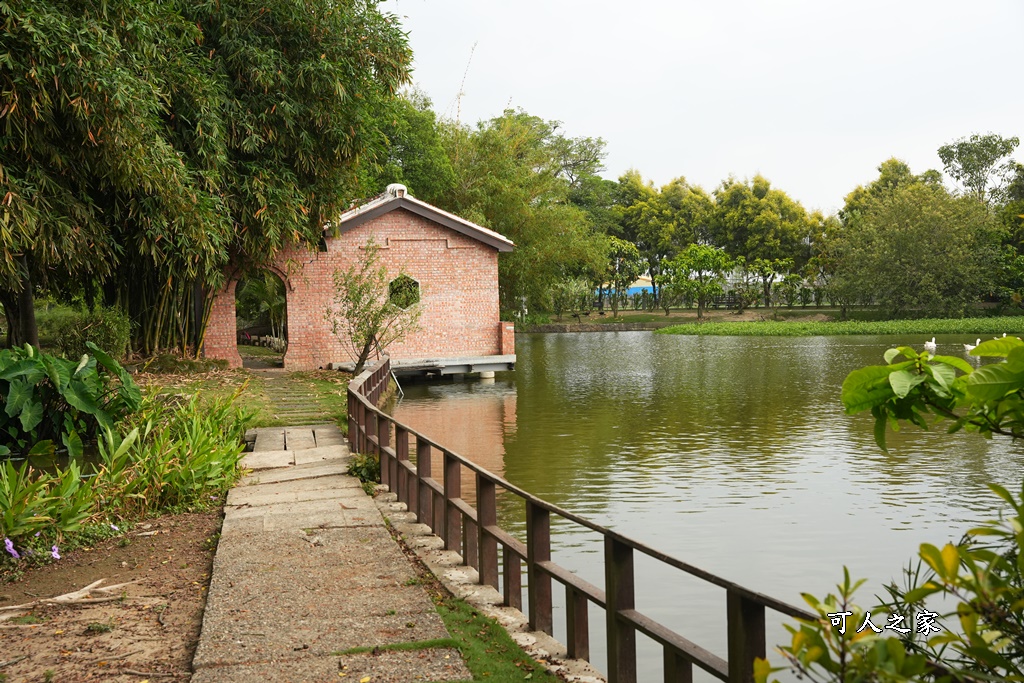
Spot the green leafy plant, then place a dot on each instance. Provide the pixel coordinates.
(983, 574)
(174, 456)
(362, 313)
(48, 400)
(107, 328)
(366, 468)
(988, 399)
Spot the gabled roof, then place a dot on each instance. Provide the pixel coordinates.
(390, 201)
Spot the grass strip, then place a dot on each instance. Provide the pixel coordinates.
(487, 648)
(924, 326)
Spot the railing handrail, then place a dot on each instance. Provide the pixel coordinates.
(476, 535)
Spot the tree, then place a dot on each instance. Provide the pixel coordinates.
(572, 295)
(697, 273)
(974, 163)
(365, 314)
(917, 250)
(624, 266)
(893, 173)
(262, 298)
(762, 224)
(148, 144)
(511, 177)
(84, 143)
(410, 151)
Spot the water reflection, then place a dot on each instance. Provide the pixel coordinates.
(731, 453)
(469, 419)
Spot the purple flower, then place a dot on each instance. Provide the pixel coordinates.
(114, 527)
(9, 544)
(37, 533)
(53, 551)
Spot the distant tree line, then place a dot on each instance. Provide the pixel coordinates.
(903, 243)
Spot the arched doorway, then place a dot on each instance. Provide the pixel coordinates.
(261, 319)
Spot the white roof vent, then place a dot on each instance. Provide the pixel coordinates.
(396, 190)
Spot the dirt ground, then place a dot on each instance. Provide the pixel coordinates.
(148, 633)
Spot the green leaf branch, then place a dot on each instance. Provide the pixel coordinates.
(914, 385)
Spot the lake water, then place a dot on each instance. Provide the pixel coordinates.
(730, 453)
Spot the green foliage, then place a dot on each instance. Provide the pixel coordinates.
(261, 300)
(145, 142)
(107, 328)
(573, 295)
(819, 652)
(48, 400)
(988, 399)
(404, 292)
(974, 163)
(366, 468)
(797, 328)
(410, 151)
(624, 267)
(757, 221)
(515, 174)
(917, 249)
(696, 273)
(362, 314)
(174, 456)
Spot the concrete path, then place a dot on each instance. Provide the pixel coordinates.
(306, 568)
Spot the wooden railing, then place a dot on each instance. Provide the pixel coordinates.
(475, 534)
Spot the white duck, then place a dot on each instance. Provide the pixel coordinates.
(970, 347)
(929, 346)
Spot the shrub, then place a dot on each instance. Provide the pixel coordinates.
(107, 328)
(174, 456)
(48, 400)
(366, 468)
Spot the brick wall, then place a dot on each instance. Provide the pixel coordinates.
(507, 338)
(220, 340)
(458, 278)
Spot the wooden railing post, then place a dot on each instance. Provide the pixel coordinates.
(424, 497)
(512, 579)
(360, 427)
(452, 490)
(386, 461)
(406, 493)
(746, 635)
(470, 536)
(577, 624)
(620, 595)
(678, 669)
(538, 549)
(353, 424)
(487, 545)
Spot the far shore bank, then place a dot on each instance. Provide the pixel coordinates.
(806, 325)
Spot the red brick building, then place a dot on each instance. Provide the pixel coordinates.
(453, 261)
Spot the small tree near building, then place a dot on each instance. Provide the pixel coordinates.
(370, 311)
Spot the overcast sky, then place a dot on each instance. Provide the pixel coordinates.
(812, 94)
